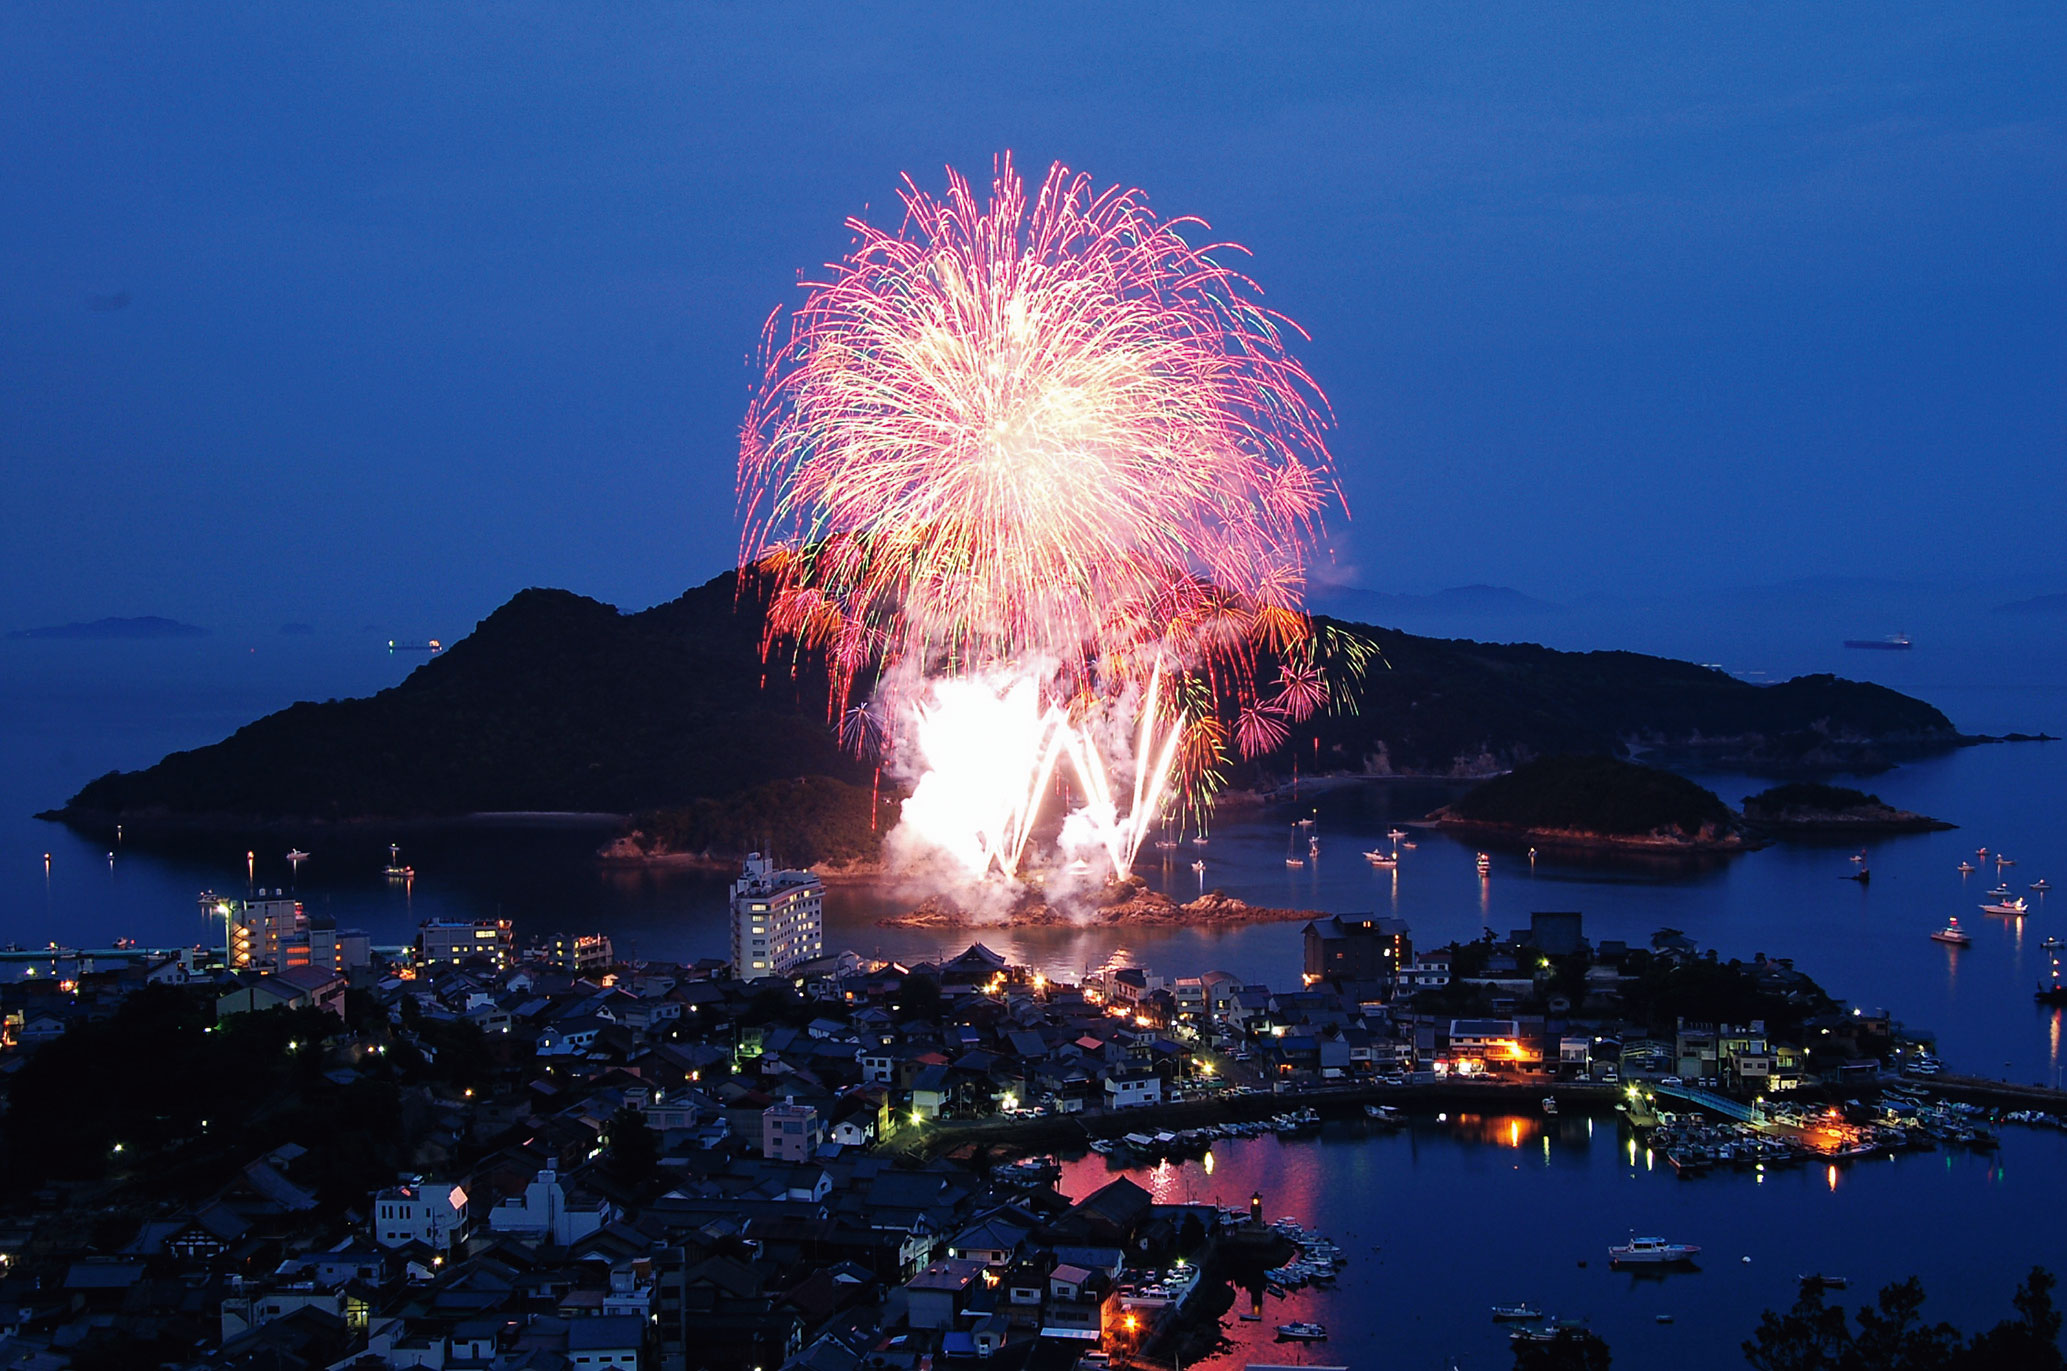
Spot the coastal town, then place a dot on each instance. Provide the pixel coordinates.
(295, 1149)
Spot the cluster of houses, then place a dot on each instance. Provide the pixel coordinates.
(771, 1215)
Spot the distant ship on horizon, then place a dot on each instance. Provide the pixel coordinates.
(1894, 642)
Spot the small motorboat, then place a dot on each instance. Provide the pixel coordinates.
(1516, 1313)
(1199, 867)
(1862, 875)
(1485, 863)
(1247, 1317)
(297, 855)
(2053, 944)
(2002, 861)
(1952, 933)
(1550, 1104)
(1966, 868)
(1396, 834)
(1859, 858)
(1652, 1252)
(2002, 888)
(2041, 885)
(1303, 1332)
(1377, 858)
(2015, 908)
(1407, 846)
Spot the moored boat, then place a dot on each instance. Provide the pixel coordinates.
(1303, 1332)
(1952, 933)
(1516, 1313)
(2013, 906)
(1652, 1252)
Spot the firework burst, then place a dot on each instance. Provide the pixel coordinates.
(1044, 438)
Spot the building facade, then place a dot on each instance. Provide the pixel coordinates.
(778, 920)
(442, 943)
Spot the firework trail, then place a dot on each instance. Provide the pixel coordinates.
(1046, 441)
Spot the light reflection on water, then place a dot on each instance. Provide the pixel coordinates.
(1439, 1224)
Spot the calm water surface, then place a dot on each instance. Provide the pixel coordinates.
(1449, 1217)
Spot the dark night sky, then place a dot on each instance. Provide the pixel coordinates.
(426, 303)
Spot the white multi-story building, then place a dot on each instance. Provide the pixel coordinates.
(414, 1212)
(546, 1210)
(272, 932)
(778, 920)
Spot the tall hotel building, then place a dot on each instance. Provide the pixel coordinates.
(778, 920)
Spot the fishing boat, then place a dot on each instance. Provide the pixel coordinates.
(1652, 1252)
(395, 867)
(1395, 833)
(1303, 1332)
(1952, 933)
(1485, 863)
(2002, 889)
(1550, 1104)
(1407, 845)
(1966, 868)
(1859, 858)
(2041, 885)
(1377, 858)
(297, 855)
(1516, 1313)
(2016, 908)
(2002, 861)
(2053, 944)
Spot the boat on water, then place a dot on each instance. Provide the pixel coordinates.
(1485, 863)
(1199, 841)
(1516, 1313)
(1952, 933)
(395, 867)
(1652, 1252)
(1292, 857)
(1550, 1104)
(1859, 858)
(2041, 885)
(2002, 861)
(1377, 858)
(2002, 888)
(1303, 1332)
(2016, 908)
(1407, 845)
(2052, 944)
(1199, 867)
(1819, 1281)
(1966, 868)
(1982, 853)
(1384, 1114)
(2054, 994)
(1863, 875)
(297, 855)
(1894, 642)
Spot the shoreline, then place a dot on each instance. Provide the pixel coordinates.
(1599, 842)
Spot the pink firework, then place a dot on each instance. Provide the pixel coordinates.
(1034, 428)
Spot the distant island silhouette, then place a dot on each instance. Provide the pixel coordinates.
(557, 702)
(148, 626)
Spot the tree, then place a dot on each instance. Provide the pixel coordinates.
(1893, 1337)
(1572, 1349)
(631, 1152)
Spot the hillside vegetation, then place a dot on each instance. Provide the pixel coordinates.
(1595, 797)
(559, 702)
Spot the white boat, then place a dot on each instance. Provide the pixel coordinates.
(1952, 933)
(1303, 1332)
(1485, 863)
(2002, 889)
(1395, 833)
(1859, 857)
(1516, 1313)
(2002, 861)
(1651, 1252)
(395, 867)
(1550, 1104)
(1199, 867)
(1966, 868)
(1377, 858)
(1292, 857)
(297, 855)
(2015, 907)
(1407, 846)
(2053, 944)
(2041, 885)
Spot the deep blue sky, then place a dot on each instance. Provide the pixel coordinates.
(430, 302)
